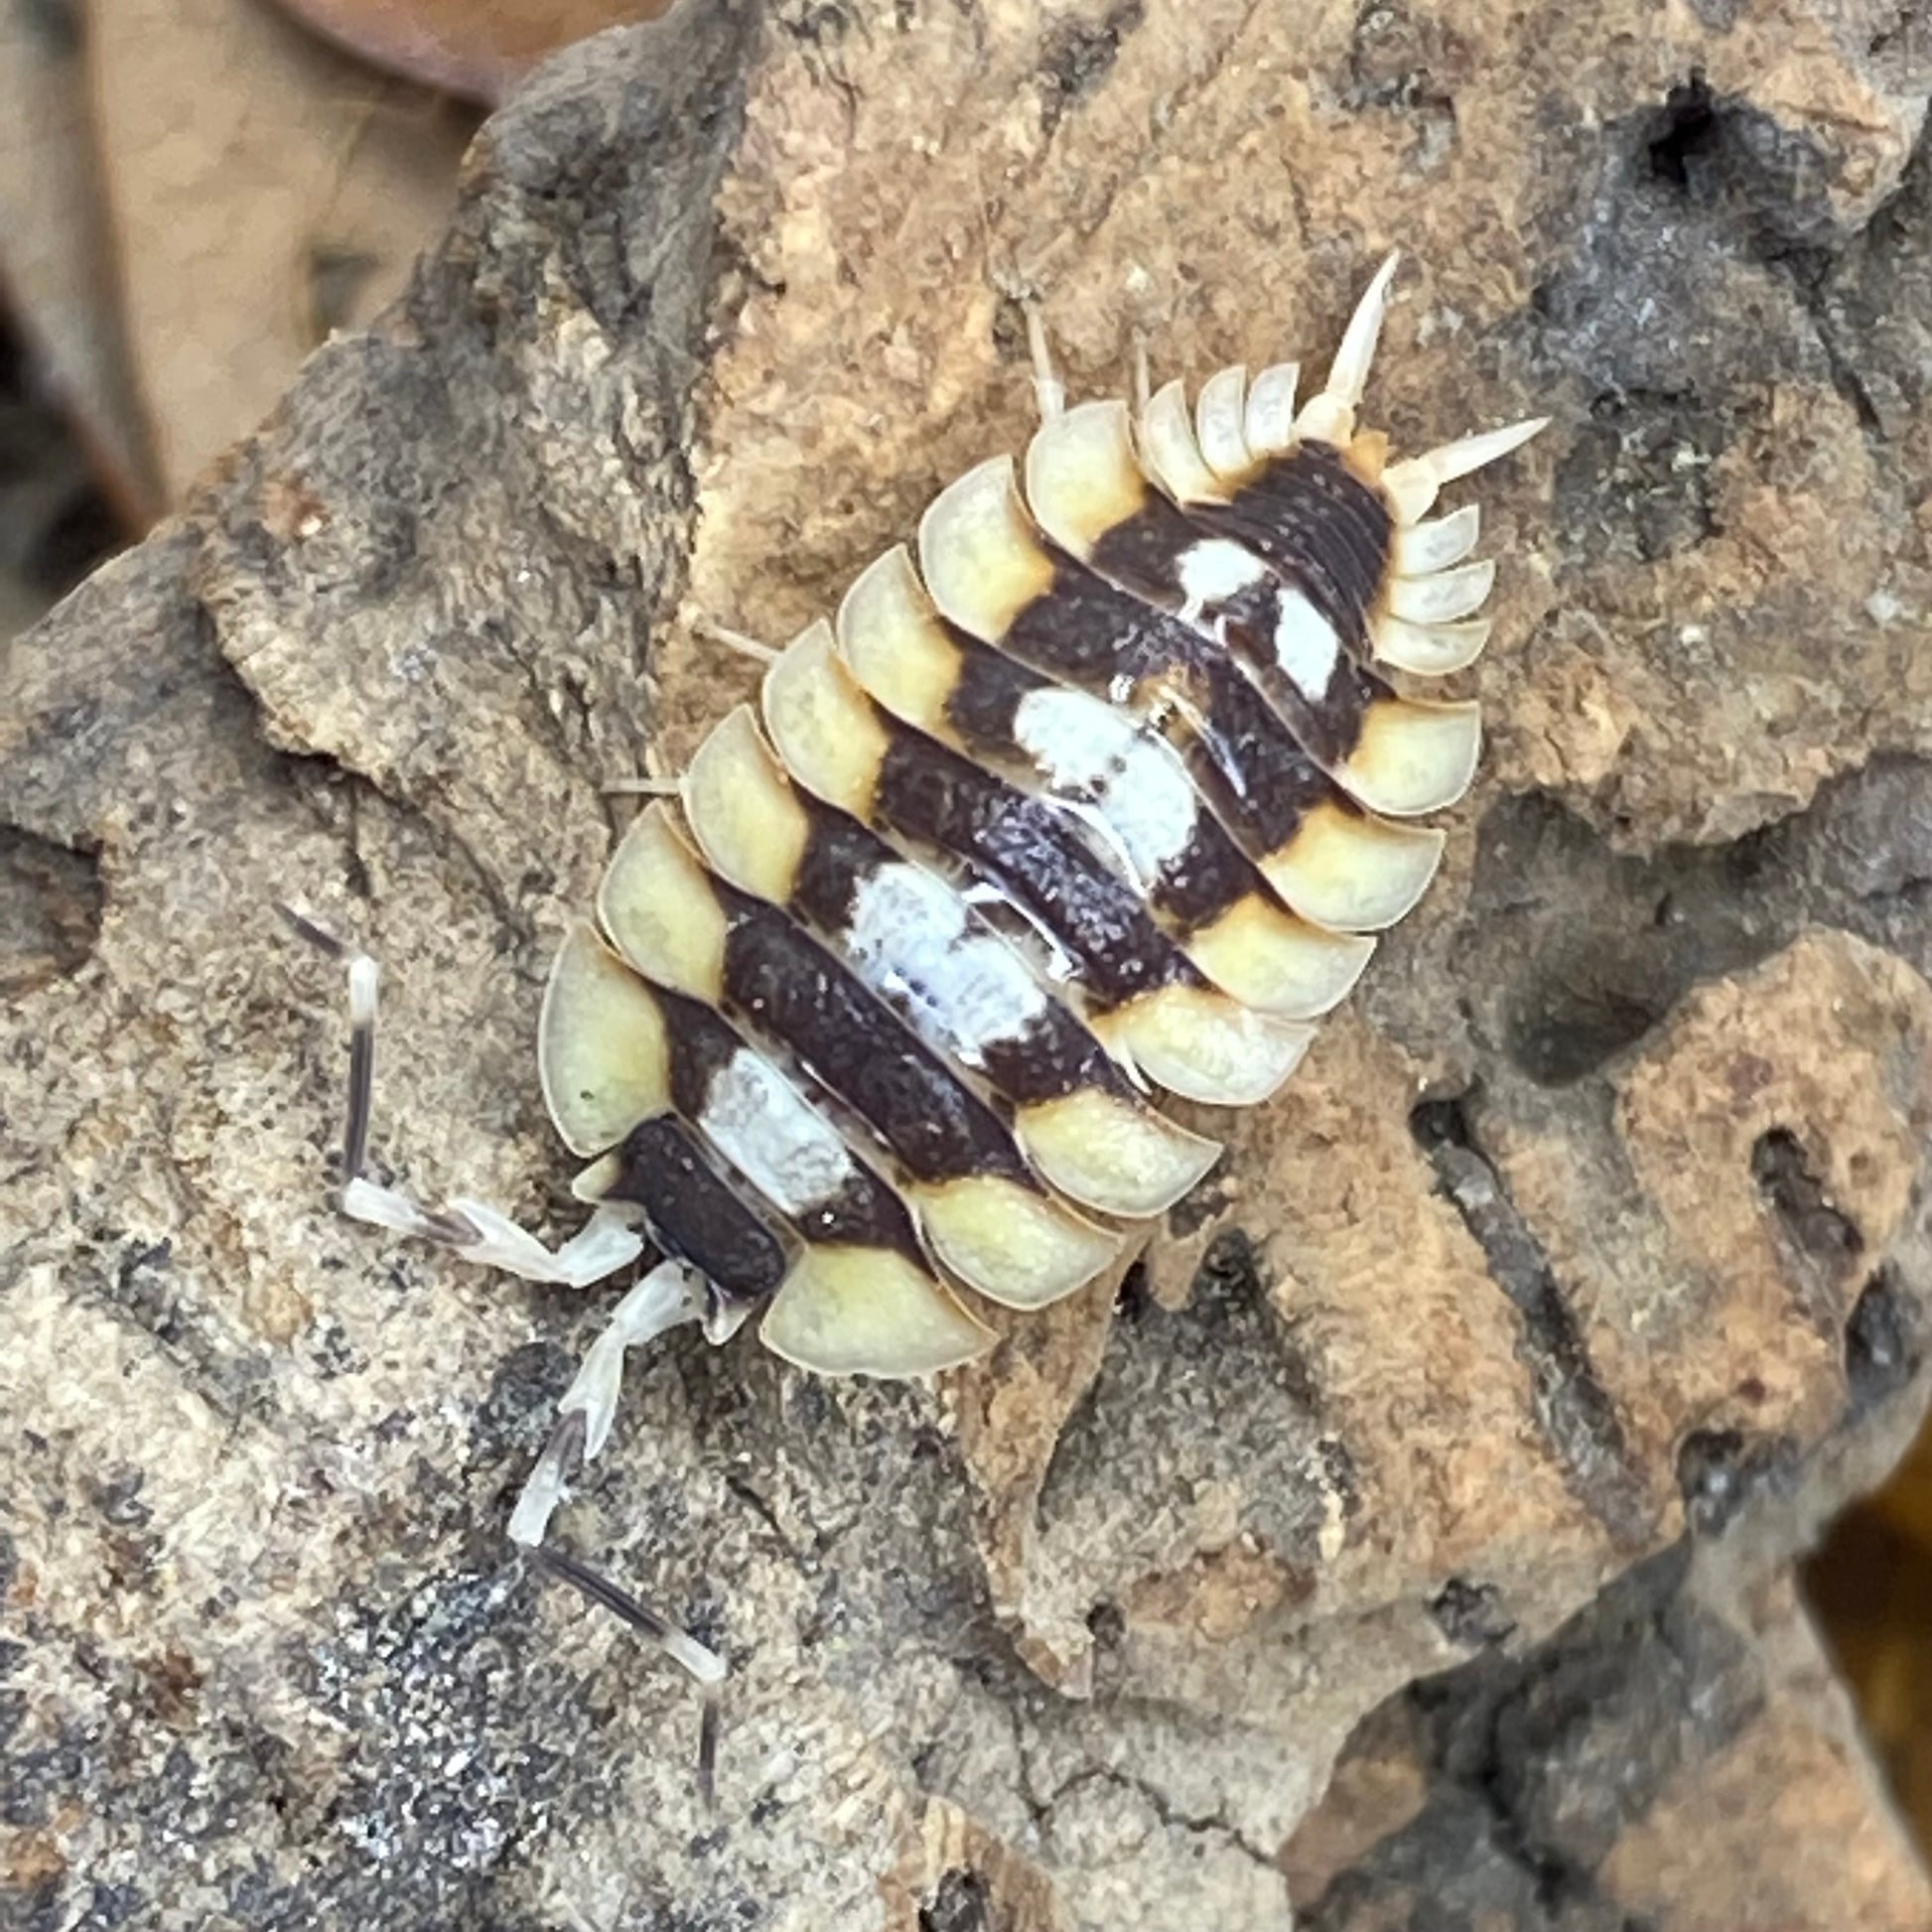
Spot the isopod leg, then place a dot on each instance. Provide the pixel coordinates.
(473, 1229)
(672, 1293)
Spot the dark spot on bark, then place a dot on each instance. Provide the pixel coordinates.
(1684, 134)
(172, 1685)
(1440, 1123)
(145, 1290)
(1409, 64)
(518, 1409)
(1816, 1227)
(118, 1499)
(1719, 1471)
(1470, 1615)
(1133, 1300)
(56, 24)
(1716, 151)
(1076, 55)
(111, 1904)
(1598, 1019)
(1010, 331)
(820, 24)
(1107, 1627)
(959, 1904)
(1881, 1349)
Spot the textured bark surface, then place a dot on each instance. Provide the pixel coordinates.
(1585, 1264)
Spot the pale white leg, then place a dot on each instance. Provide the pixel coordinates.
(473, 1229)
(672, 1293)
(479, 1233)
(669, 1295)
(1411, 484)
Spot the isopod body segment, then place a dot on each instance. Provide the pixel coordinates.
(1097, 791)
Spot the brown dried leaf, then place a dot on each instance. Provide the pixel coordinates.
(56, 251)
(476, 48)
(266, 190)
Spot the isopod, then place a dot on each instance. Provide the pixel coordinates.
(1098, 790)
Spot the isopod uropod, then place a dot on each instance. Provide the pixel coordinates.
(1098, 790)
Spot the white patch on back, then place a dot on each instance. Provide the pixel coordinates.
(1306, 646)
(911, 938)
(1212, 571)
(1133, 784)
(762, 1125)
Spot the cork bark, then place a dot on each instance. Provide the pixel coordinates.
(1448, 1455)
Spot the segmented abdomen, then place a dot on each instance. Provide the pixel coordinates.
(1102, 796)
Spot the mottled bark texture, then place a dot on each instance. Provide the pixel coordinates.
(1581, 1268)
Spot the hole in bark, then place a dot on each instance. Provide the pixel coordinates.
(1582, 1021)
(1686, 131)
(1816, 1226)
(1441, 1122)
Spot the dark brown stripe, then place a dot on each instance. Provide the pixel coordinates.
(983, 706)
(1207, 878)
(694, 1213)
(858, 1049)
(702, 1046)
(1055, 1055)
(1311, 517)
(840, 854)
(1196, 887)
(1242, 757)
(1030, 849)
(865, 1211)
(1329, 727)
(1142, 555)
